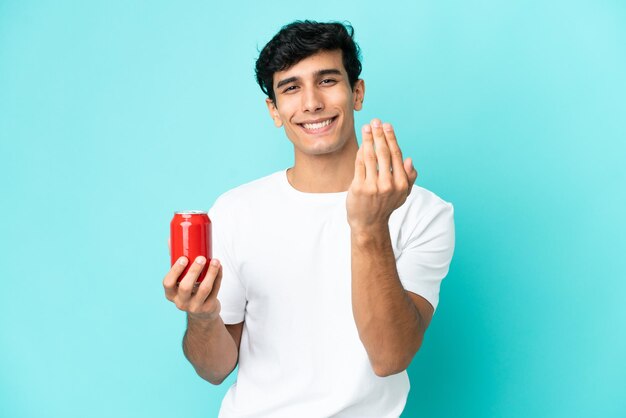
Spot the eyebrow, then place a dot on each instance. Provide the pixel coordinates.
(317, 74)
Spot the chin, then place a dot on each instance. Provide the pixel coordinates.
(322, 149)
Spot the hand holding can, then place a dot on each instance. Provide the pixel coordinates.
(199, 300)
(190, 252)
(190, 236)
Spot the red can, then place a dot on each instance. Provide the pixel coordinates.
(190, 236)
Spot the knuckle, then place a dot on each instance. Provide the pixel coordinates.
(185, 287)
(370, 190)
(205, 288)
(396, 153)
(173, 274)
(370, 156)
(385, 188)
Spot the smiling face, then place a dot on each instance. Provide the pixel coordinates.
(315, 103)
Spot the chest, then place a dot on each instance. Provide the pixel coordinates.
(296, 258)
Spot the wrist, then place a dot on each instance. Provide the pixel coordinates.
(203, 322)
(370, 235)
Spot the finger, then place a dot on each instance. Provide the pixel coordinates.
(169, 282)
(369, 156)
(382, 152)
(399, 175)
(218, 282)
(411, 172)
(216, 287)
(186, 285)
(206, 286)
(169, 245)
(359, 167)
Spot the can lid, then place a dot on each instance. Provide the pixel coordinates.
(190, 212)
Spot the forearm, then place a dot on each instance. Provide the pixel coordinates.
(388, 322)
(210, 348)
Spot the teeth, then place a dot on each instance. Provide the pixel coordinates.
(319, 125)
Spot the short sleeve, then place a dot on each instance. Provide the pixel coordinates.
(232, 294)
(425, 258)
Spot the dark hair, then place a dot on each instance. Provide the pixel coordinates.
(301, 39)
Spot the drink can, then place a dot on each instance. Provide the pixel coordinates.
(190, 236)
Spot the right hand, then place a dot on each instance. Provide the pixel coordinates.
(200, 302)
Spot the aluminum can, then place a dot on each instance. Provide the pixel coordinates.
(190, 236)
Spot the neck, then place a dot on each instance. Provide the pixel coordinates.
(327, 173)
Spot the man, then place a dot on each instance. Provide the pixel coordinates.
(328, 272)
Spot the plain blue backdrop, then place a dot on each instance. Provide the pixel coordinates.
(114, 114)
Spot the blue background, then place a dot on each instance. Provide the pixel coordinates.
(113, 114)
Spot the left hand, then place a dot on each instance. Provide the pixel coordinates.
(382, 180)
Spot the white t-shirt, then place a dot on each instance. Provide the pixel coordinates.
(286, 273)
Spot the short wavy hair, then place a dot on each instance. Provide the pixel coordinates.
(301, 39)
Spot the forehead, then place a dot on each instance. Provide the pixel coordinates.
(310, 66)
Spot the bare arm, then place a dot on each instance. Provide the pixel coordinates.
(391, 321)
(209, 345)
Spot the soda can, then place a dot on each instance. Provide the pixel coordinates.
(190, 236)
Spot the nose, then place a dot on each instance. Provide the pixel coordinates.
(312, 101)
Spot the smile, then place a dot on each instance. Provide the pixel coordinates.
(318, 126)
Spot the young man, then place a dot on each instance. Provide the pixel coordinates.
(328, 272)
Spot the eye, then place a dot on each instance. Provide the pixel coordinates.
(329, 81)
(289, 89)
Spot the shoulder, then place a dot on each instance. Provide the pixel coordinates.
(423, 201)
(423, 218)
(421, 208)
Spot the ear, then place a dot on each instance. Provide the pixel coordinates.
(358, 94)
(274, 112)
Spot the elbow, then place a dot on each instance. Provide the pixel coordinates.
(394, 365)
(390, 367)
(382, 372)
(385, 370)
(211, 378)
(214, 377)
(216, 382)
